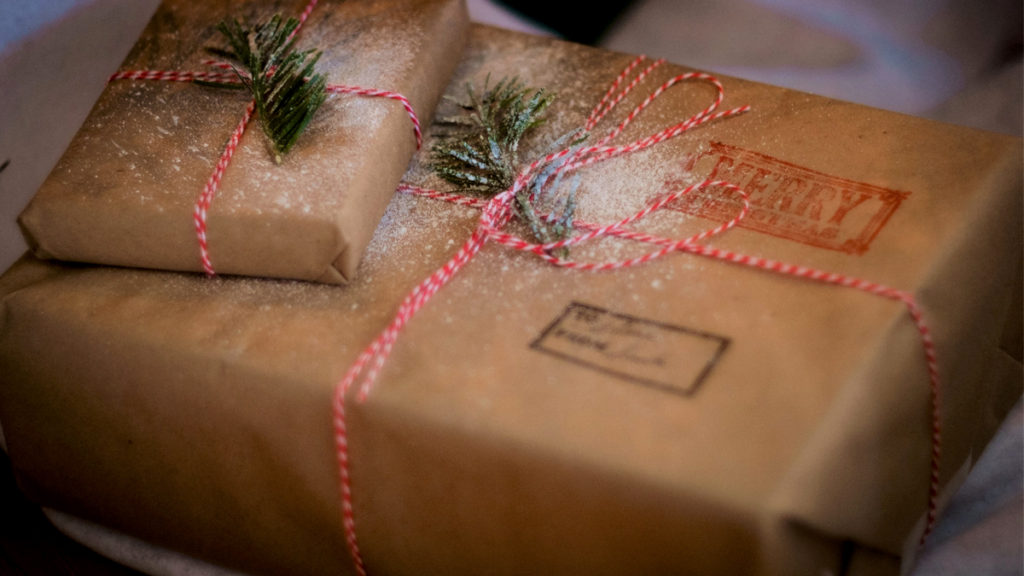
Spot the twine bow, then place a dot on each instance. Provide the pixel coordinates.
(497, 212)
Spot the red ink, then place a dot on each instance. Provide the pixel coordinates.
(790, 201)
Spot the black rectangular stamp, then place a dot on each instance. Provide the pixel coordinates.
(665, 356)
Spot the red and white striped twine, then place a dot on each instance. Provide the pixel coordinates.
(375, 93)
(200, 210)
(497, 212)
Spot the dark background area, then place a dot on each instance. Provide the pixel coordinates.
(582, 22)
(31, 546)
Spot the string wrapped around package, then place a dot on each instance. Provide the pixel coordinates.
(497, 212)
(205, 199)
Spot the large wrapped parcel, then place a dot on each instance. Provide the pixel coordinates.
(690, 415)
(125, 191)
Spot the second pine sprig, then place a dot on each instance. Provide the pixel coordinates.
(480, 152)
(283, 82)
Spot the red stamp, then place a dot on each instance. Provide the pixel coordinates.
(790, 201)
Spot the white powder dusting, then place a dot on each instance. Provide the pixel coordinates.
(428, 232)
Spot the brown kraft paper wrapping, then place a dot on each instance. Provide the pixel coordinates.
(124, 192)
(687, 415)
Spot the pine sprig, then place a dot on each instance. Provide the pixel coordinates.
(283, 82)
(483, 157)
(480, 154)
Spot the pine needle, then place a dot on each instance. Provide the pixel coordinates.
(483, 156)
(480, 154)
(283, 82)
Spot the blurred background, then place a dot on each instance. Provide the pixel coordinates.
(950, 60)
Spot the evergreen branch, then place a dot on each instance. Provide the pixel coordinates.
(480, 154)
(284, 83)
